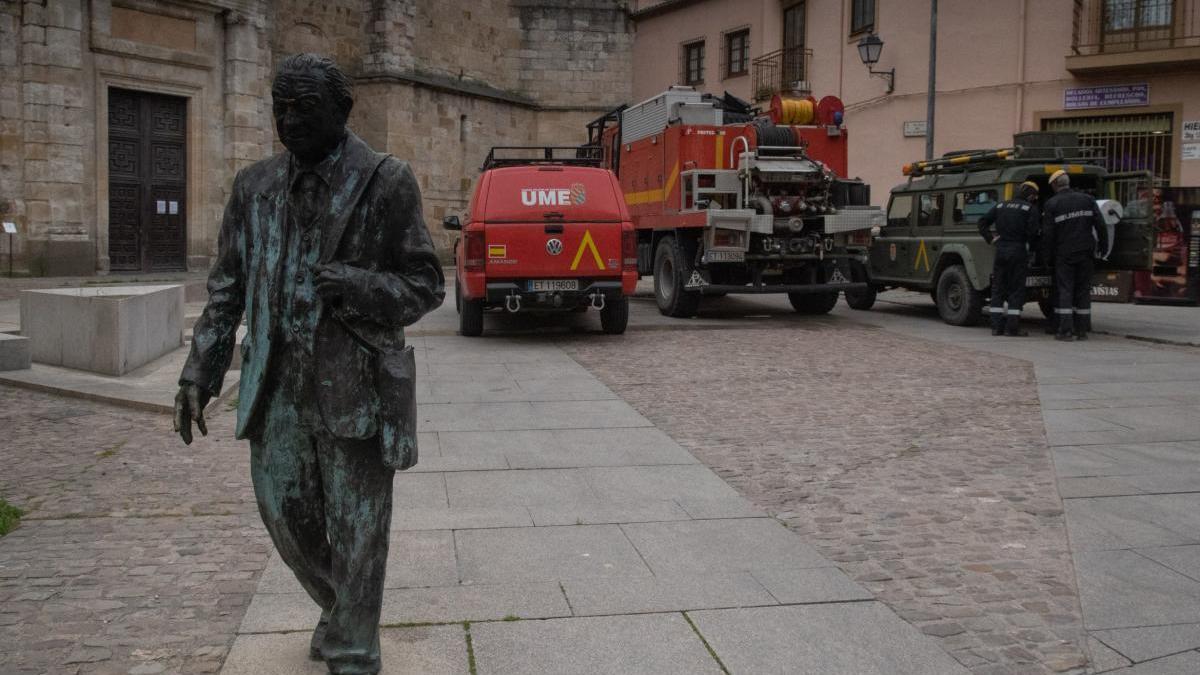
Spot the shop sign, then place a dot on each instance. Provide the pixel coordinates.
(914, 129)
(1191, 131)
(1190, 151)
(1113, 96)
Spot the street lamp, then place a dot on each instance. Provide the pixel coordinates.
(869, 49)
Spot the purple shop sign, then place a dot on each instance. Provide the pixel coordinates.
(1113, 96)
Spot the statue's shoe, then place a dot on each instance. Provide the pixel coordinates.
(318, 637)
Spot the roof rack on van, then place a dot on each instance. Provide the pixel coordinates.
(525, 155)
(971, 160)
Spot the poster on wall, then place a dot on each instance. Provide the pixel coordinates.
(1191, 131)
(1174, 276)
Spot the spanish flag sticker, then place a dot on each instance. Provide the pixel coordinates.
(497, 251)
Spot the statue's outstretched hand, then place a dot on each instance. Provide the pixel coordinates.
(189, 405)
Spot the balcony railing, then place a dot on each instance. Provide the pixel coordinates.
(1121, 26)
(781, 71)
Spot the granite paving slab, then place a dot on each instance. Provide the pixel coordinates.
(1151, 642)
(419, 650)
(535, 486)
(665, 593)
(597, 512)
(699, 546)
(460, 518)
(1187, 663)
(1182, 559)
(1121, 589)
(862, 638)
(811, 585)
(546, 554)
(663, 644)
(1110, 523)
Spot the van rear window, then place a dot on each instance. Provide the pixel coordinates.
(518, 194)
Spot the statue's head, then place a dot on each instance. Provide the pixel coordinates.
(311, 101)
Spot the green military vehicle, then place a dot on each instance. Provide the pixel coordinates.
(931, 240)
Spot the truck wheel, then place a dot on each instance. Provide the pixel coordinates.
(958, 303)
(861, 300)
(813, 303)
(671, 272)
(457, 297)
(615, 316)
(470, 318)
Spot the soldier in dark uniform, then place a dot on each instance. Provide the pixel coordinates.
(1017, 225)
(1072, 227)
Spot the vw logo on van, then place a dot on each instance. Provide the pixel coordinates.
(554, 246)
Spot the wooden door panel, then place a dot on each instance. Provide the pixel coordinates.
(147, 165)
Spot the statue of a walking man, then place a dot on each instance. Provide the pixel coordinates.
(324, 250)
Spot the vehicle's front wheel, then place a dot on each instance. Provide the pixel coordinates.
(671, 271)
(813, 303)
(615, 316)
(861, 300)
(470, 318)
(958, 303)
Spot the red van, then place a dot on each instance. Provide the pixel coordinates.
(544, 231)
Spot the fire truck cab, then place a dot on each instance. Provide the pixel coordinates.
(545, 230)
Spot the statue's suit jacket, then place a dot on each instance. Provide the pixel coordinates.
(373, 225)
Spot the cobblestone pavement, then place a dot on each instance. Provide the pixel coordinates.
(136, 554)
(922, 469)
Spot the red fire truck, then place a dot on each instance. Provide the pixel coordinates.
(726, 199)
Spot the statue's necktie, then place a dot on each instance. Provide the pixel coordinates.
(310, 199)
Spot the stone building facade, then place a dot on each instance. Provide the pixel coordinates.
(123, 122)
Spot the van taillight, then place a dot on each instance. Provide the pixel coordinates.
(629, 247)
(473, 248)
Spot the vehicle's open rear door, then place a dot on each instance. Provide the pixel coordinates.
(1133, 243)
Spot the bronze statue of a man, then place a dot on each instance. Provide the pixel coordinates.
(324, 250)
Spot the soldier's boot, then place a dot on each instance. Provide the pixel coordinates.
(1012, 327)
(1083, 324)
(997, 321)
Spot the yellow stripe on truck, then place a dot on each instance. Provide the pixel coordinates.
(656, 195)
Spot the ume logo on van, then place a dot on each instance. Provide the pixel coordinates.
(575, 195)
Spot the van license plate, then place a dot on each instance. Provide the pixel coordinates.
(1037, 281)
(554, 285)
(726, 256)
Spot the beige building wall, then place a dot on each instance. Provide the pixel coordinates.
(1002, 68)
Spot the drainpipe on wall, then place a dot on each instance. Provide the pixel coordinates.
(1023, 27)
(931, 97)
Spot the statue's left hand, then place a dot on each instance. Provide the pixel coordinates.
(334, 281)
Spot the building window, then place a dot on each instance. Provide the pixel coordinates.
(1122, 15)
(1125, 142)
(693, 63)
(862, 16)
(737, 53)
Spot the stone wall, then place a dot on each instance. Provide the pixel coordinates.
(438, 84)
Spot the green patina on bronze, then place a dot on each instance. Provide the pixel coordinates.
(325, 253)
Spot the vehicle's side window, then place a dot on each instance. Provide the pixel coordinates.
(931, 210)
(971, 205)
(900, 211)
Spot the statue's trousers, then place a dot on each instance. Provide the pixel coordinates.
(327, 503)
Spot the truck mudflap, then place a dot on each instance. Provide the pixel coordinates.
(589, 292)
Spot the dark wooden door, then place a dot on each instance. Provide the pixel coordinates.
(147, 182)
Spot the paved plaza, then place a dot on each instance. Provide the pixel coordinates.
(750, 491)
